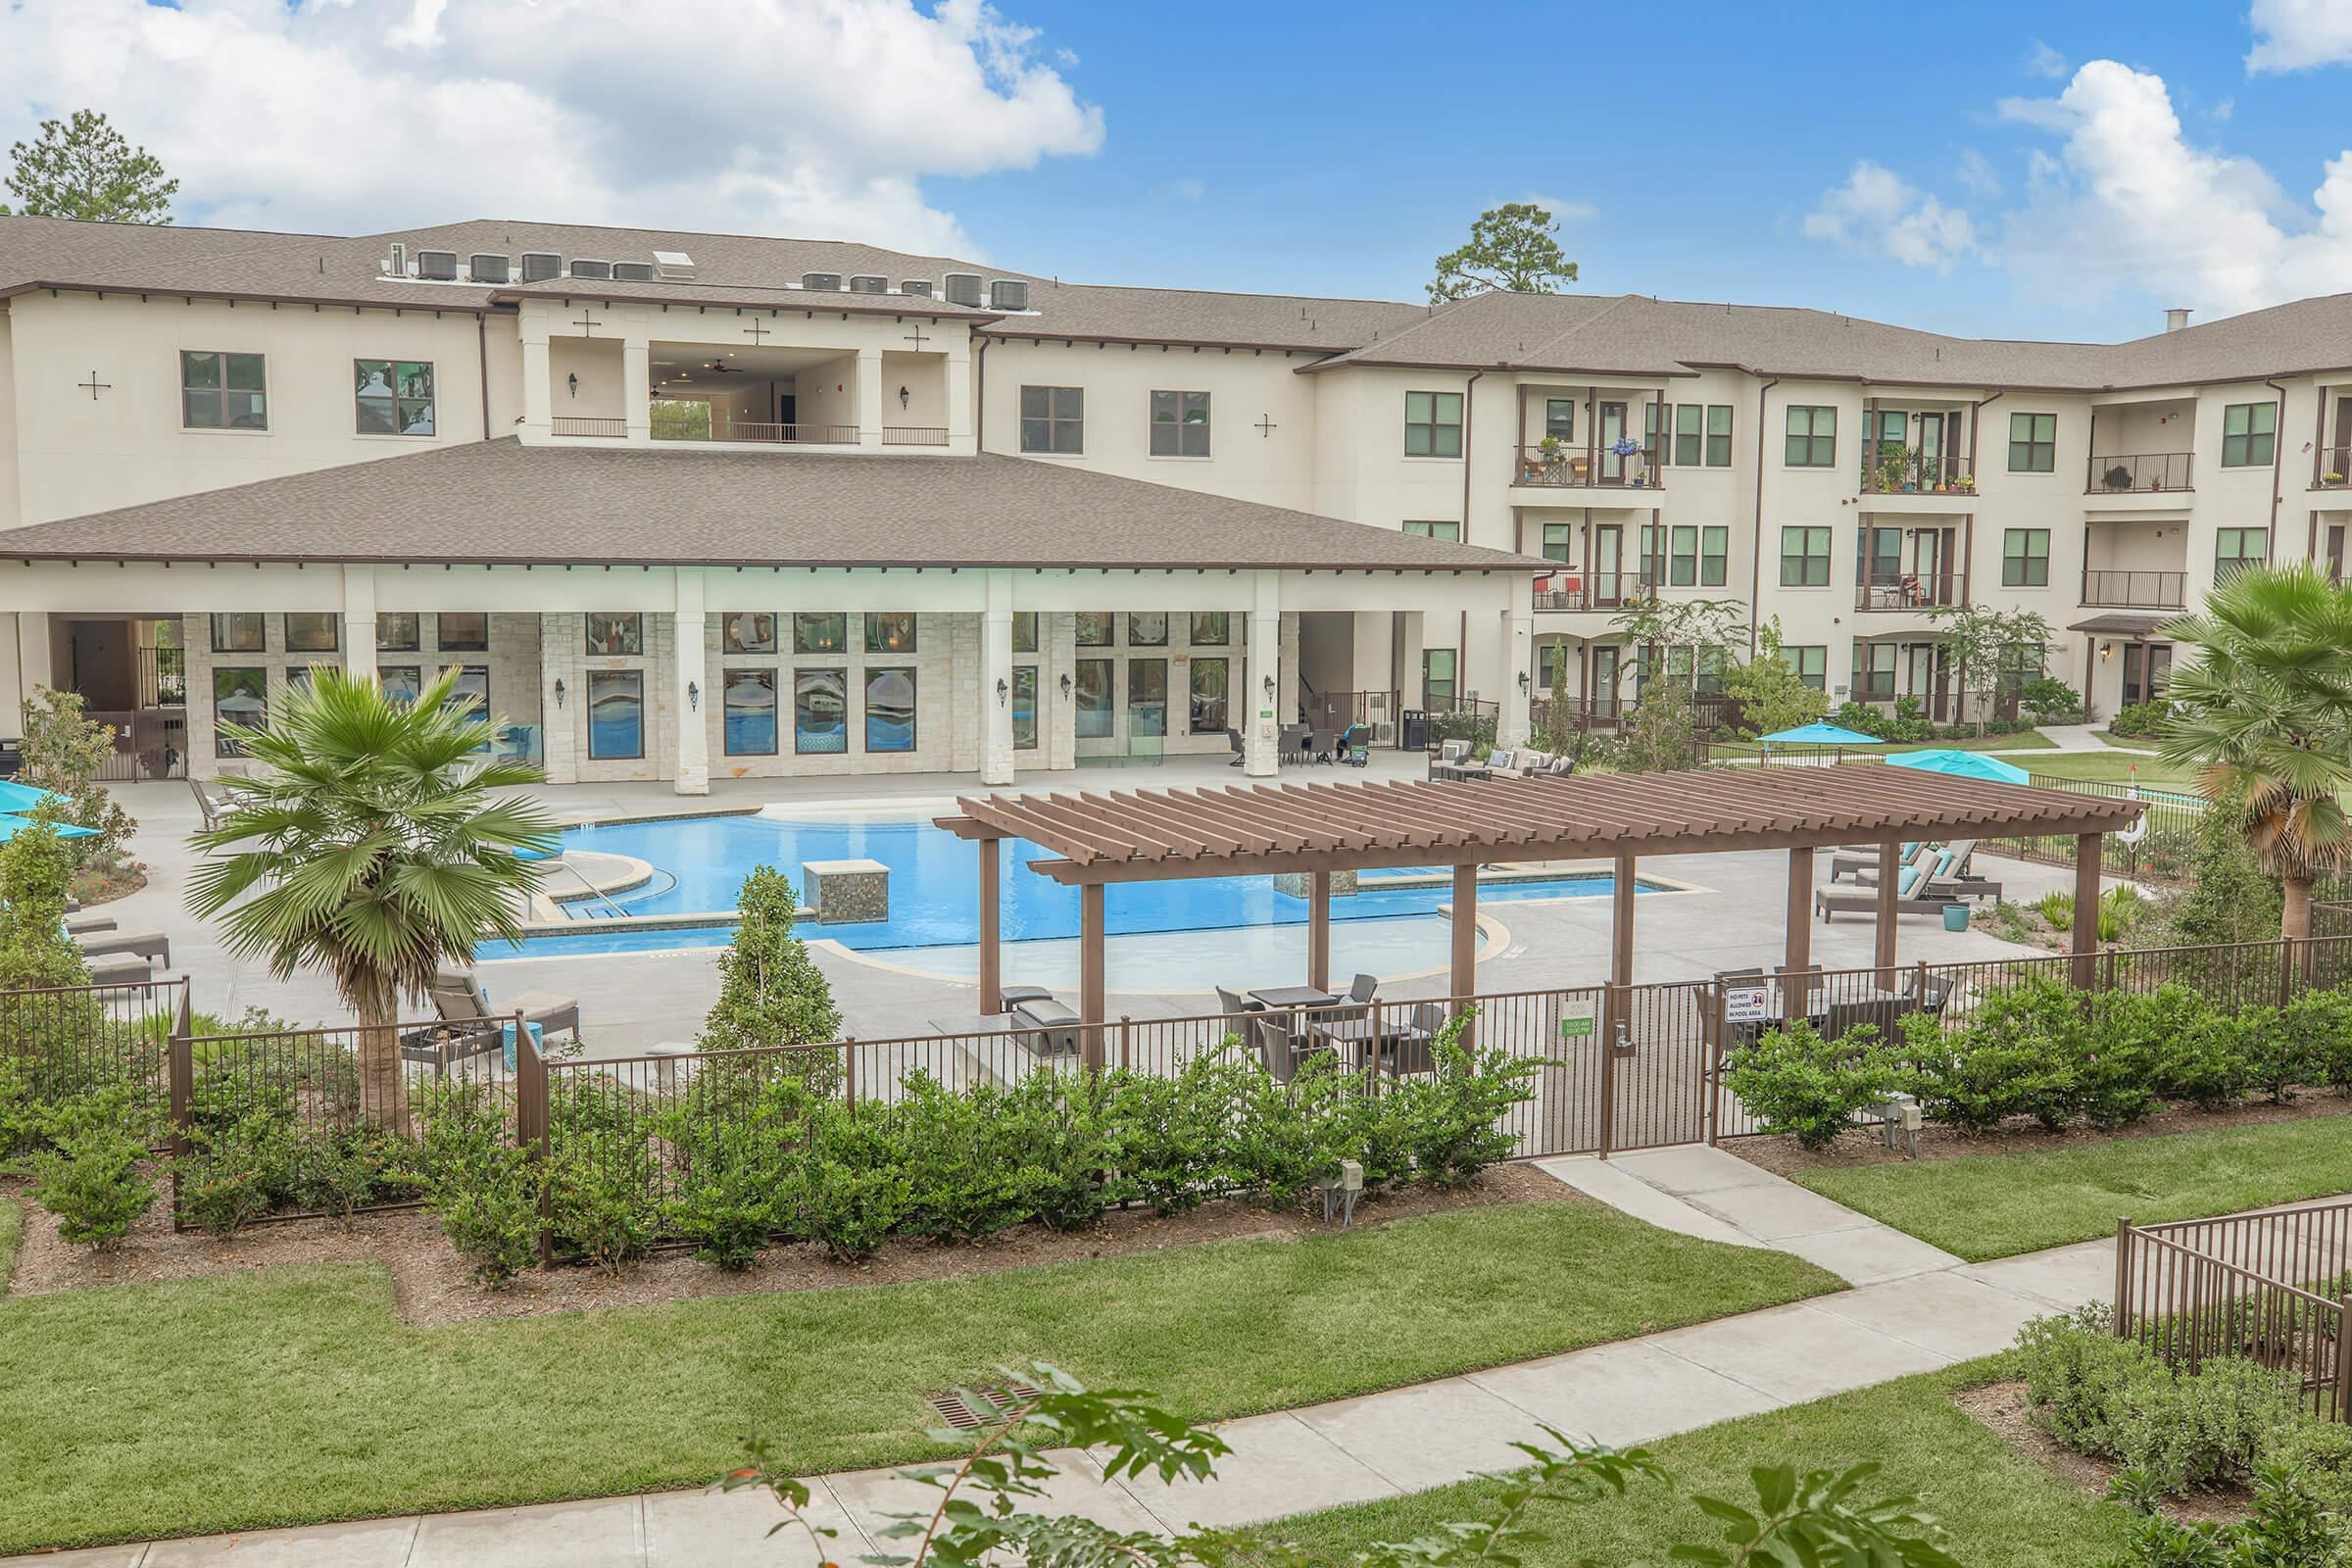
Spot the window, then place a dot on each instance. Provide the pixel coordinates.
(395, 396)
(1874, 671)
(1436, 679)
(820, 720)
(616, 713)
(1211, 628)
(1024, 631)
(1812, 441)
(469, 698)
(1811, 662)
(614, 636)
(820, 633)
(310, 631)
(399, 683)
(1698, 555)
(223, 391)
(1024, 707)
(468, 633)
(1208, 696)
(1559, 418)
(1420, 530)
(396, 633)
(889, 708)
(1180, 424)
(240, 696)
(2032, 443)
(1547, 665)
(1433, 424)
(1052, 419)
(1148, 628)
(298, 676)
(1555, 541)
(2236, 548)
(1703, 435)
(1804, 557)
(2026, 558)
(748, 632)
(749, 728)
(1094, 713)
(2249, 434)
(890, 633)
(1095, 628)
(239, 633)
(1147, 697)
(1714, 556)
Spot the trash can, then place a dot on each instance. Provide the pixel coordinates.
(1412, 730)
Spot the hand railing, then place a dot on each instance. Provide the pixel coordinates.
(2139, 473)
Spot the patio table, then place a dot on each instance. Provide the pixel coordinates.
(1358, 1040)
(1286, 999)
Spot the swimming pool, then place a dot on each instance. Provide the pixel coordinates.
(699, 863)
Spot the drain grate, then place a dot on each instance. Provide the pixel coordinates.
(958, 1412)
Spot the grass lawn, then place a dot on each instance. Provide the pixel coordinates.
(288, 1396)
(2000, 1510)
(2111, 767)
(1994, 1205)
(2028, 740)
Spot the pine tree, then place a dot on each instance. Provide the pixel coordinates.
(770, 992)
(82, 167)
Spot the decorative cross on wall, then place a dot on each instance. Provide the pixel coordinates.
(755, 333)
(1266, 428)
(916, 338)
(94, 386)
(586, 324)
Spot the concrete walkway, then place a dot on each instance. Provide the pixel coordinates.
(2083, 738)
(1913, 1309)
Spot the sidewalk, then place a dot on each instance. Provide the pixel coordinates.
(1913, 1309)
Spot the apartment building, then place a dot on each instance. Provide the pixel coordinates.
(685, 505)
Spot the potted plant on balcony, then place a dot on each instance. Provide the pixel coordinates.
(1887, 473)
(1546, 458)
(2332, 478)
(1625, 448)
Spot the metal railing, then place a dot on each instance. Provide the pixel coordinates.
(2132, 589)
(65, 1041)
(845, 435)
(1572, 468)
(1910, 590)
(584, 424)
(1574, 588)
(2334, 470)
(1916, 473)
(914, 435)
(2163, 852)
(2141, 472)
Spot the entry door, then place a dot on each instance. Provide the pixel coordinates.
(1608, 565)
(1147, 697)
(2145, 667)
(1612, 431)
(2336, 552)
(2340, 453)
(1930, 447)
(1606, 663)
(1932, 555)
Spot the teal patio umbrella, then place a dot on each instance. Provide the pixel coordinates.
(1961, 764)
(15, 797)
(11, 826)
(1819, 734)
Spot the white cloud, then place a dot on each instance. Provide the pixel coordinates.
(2299, 35)
(1563, 208)
(1974, 171)
(2043, 61)
(796, 117)
(1878, 213)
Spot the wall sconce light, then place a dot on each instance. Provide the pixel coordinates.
(558, 690)
(902, 397)
(574, 380)
(1003, 691)
(694, 697)
(1269, 685)
(2106, 650)
(1065, 683)
(1523, 680)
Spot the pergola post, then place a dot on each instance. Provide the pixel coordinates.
(1464, 978)
(1621, 952)
(2085, 942)
(1318, 930)
(1798, 955)
(1891, 876)
(1090, 975)
(991, 949)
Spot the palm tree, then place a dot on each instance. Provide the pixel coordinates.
(2263, 712)
(372, 848)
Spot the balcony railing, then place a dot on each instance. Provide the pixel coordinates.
(1570, 468)
(914, 435)
(1573, 588)
(578, 424)
(2336, 468)
(1910, 590)
(2106, 589)
(2141, 472)
(822, 434)
(1907, 470)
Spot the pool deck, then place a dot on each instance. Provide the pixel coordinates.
(1730, 917)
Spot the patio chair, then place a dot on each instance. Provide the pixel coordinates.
(1271, 1037)
(459, 998)
(143, 944)
(1849, 1013)
(1047, 1027)
(1932, 996)
(206, 807)
(1323, 745)
(1234, 738)
(1233, 1004)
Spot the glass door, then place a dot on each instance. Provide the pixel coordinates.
(1612, 431)
(1605, 659)
(1608, 560)
(1147, 697)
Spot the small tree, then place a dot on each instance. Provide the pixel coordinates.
(34, 950)
(1510, 248)
(1772, 694)
(770, 992)
(64, 753)
(82, 167)
(1984, 644)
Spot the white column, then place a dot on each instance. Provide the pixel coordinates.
(359, 621)
(959, 404)
(869, 397)
(637, 390)
(690, 689)
(1257, 705)
(1511, 728)
(563, 693)
(538, 396)
(996, 682)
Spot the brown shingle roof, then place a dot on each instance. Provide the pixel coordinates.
(500, 502)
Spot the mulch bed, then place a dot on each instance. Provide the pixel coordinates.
(2022, 1135)
(122, 883)
(432, 1287)
(2000, 1409)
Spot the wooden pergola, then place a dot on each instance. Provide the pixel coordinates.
(1313, 830)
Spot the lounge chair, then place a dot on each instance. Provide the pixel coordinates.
(1852, 860)
(144, 944)
(1047, 1027)
(119, 969)
(1828, 902)
(1449, 760)
(1947, 873)
(459, 998)
(206, 807)
(79, 925)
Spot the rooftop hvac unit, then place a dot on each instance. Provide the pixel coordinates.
(675, 265)
(633, 271)
(963, 288)
(540, 266)
(830, 282)
(487, 268)
(593, 270)
(396, 263)
(1007, 294)
(919, 288)
(869, 285)
(439, 265)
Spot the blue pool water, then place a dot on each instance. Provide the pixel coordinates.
(934, 887)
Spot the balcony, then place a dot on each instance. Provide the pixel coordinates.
(840, 435)
(616, 430)
(1910, 590)
(2106, 589)
(1907, 470)
(2335, 468)
(2138, 473)
(1565, 468)
(1574, 588)
(914, 435)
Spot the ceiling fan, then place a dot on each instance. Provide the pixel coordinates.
(721, 367)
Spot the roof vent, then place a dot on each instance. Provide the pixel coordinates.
(633, 271)
(869, 285)
(1006, 294)
(540, 266)
(2175, 319)
(486, 269)
(439, 265)
(673, 264)
(830, 282)
(963, 288)
(919, 288)
(396, 263)
(582, 267)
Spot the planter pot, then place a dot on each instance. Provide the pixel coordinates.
(1955, 917)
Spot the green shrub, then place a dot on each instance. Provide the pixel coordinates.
(340, 1171)
(600, 1209)
(22, 1116)
(484, 1189)
(1450, 1120)
(2057, 910)
(1796, 1083)
(2014, 1056)
(1163, 1136)
(2075, 1370)
(2141, 720)
(725, 1211)
(851, 1192)
(235, 1172)
(91, 1180)
(2320, 1455)
(1054, 1138)
(2207, 1060)
(2315, 1044)
(1284, 1138)
(2204, 1429)
(731, 1141)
